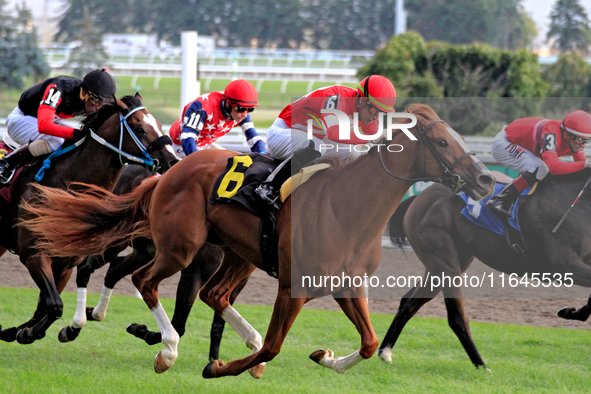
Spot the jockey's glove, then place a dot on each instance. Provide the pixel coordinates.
(588, 163)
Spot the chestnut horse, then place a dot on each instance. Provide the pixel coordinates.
(433, 217)
(204, 264)
(339, 216)
(121, 133)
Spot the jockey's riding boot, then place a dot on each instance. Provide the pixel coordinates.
(502, 204)
(10, 161)
(270, 188)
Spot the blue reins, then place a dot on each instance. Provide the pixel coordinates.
(147, 161)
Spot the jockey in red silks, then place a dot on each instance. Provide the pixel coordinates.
(35, 122)
(213, 115)
(533, 147)
(288, 139)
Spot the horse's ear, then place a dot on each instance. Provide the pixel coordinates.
(120, 104)
(137, 96)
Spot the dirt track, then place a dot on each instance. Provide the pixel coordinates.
(261, 289)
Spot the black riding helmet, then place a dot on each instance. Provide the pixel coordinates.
(100, 83)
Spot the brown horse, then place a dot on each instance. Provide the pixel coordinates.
(120, 134)
(332, 224)
(203, 266)
(433, 218)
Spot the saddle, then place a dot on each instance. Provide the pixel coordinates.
(254, 169)
(478, 213)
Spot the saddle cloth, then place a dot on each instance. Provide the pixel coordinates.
(243, 174)
(477, 212)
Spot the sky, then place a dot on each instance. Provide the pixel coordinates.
(538, 9)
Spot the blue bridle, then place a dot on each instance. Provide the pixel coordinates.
(147, 161)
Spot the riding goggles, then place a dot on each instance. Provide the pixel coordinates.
(239, 108)
(579, 140)
(95, 99)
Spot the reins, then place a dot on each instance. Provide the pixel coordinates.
(456, 182)
(147, 161)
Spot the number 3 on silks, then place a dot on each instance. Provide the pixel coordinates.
(236, 174)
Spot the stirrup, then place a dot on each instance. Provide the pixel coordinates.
(268, 194)
(6, 180)
(498, 209)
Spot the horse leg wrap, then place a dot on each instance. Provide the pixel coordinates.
(339, 364)
(80, 315)
(100, 311)
(170, 338)
(249, 335)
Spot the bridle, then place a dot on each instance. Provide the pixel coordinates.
(451, 179)
(147, 161)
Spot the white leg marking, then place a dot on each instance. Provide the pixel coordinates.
(170, 338)
(249, 335)
(340, 364)
(386, 354)
(80, 315)
(100, 311)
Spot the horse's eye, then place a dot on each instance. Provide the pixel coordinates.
(442, 143)
(139, 131)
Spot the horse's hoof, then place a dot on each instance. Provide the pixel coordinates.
(385, 354)
(565, 312)
(8, 335)
(137, 330)
(257, 371)
(210, 369)
(160, 365)
(68, 334)
(89, 317)
(318, 355)
(24, 336)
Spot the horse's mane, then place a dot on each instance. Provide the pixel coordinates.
(96, 120)
(422, 112)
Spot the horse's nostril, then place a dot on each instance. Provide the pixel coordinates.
(486, 180)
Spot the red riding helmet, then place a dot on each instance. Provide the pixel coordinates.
(380, 92)
(578, 123)
(241, 92)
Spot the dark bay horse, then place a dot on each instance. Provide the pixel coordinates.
(332, 224)
(433, 218)
(204, 264)
(121, 133)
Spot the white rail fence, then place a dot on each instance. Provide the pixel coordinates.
(235, 140)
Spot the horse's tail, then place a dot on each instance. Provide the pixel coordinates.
(79, 223)
(395, 227)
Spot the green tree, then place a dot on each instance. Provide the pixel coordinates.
(501, 23)
(90, 54)
(20, 56)
(233, 23)
(349, 24)
(569, 27)
(570, 76)
(112, 16)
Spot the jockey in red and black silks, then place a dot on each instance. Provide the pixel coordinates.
(212, 115)
(35, 122)
(533, 147)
